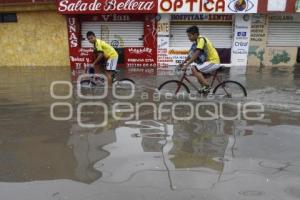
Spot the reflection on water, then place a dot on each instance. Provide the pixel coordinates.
(32, 145)
(127, 154)
(86, 148)
(215, 155)
(199, 146)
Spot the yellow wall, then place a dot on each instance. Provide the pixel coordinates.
(39, 38)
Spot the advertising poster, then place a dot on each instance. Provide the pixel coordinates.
(163, 41)
(239, 52)
(140, 60)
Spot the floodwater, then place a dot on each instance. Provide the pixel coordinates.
(146, 156)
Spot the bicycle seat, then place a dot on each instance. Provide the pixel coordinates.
(91, 70)
(220, 69)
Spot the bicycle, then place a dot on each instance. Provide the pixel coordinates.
(227, 89)
(94, 80)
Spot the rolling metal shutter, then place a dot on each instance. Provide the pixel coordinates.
(219, 34)
(284, 34)
(118, 34)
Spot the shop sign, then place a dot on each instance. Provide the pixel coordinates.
(103, 7)
(201, 17)
(163, 28)
(149, 70)
(259, 29)
(284, 18)
(115, 18)
(139, 51)
(177, 55)
(139, 57)
(140, 60)
(207, 6)
(72, 29)
(111, 17)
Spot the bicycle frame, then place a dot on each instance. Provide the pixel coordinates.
(95, 78)
(184, 77)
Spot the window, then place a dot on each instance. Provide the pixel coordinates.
(8, 17)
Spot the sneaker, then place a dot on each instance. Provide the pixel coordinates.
(205, 89)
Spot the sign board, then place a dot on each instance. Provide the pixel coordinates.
(240, 47)
(284, 18)
(163, 41)
(107, 6)
(207, 6)
(201, 17)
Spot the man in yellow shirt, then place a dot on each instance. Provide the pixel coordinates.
(104, 51)
(203, 56)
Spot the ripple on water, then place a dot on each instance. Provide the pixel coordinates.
(293, 191)
(252, 193)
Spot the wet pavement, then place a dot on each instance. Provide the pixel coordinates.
(146, 157)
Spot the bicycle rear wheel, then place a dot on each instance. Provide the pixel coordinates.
(174, 87)
(230, 90)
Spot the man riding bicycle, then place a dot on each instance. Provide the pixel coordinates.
(104, 51)
(203, 56)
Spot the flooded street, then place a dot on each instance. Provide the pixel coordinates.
(146, 157)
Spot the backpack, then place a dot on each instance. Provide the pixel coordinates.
(203, 56)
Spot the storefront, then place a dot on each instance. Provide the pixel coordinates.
(284, 31)
(275, 40)
(128, 25)
(283, 38)
(226, 23)
(150, 35)
(218, 28)
(124, 32)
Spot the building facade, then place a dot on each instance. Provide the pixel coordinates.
(274, 40)
(32, 34)
(150, 34)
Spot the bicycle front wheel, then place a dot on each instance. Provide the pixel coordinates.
(230, 90)
(126, 80)
(174, 87)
